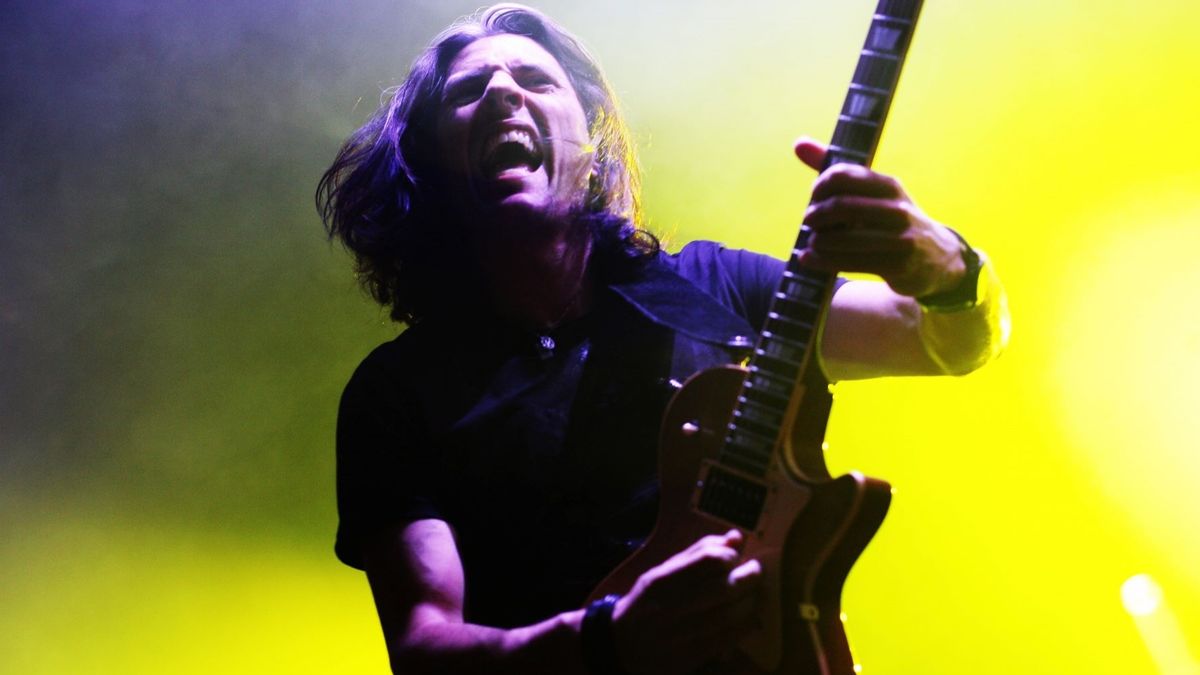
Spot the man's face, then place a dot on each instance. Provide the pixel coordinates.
(511, 133)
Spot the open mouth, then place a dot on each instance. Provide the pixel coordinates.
(510, 149)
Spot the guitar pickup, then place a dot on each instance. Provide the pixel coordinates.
(730, 496)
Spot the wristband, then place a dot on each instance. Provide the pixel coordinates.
(966, 294)
(596, 638)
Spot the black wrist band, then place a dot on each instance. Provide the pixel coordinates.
(596, 638)
(966, 294)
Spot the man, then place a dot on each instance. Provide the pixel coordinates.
(497, 458)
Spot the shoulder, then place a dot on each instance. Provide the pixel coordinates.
(739, 279)
(704, 260)
(385, 373)
(728, 273)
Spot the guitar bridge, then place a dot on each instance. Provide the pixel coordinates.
(730, 496)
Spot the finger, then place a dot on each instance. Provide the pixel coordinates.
(702, 568)
(883, 264)
(811, 152)
(732, 539)
(859, 241)
(745, 577)
(702, 593)
(840, 211)
(740, 583)
(852, 179)
(707, 562)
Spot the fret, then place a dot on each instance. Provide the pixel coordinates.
(885, 93)
(754, 419)
(876, 71)
(792, 344)
(766, 398)
(836, 155)
(852, 133)
(885, 38)
(857, 135)
(898, 8)
(800, 312)
(760, 428)
(792, 330)
(757, 413)
(754, 443)
(862, 105)
(793, 293)
(880, 54)
(797, 287)
(762, 358)
(747, 445)
(782, 367)
(781, 349)
(762, 383)
(848, 151)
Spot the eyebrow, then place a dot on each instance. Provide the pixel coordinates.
(518, 68)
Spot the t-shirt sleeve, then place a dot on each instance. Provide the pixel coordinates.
(743, 280)
(754, 277)
(384, 473)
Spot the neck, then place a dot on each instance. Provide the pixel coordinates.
(538, 282)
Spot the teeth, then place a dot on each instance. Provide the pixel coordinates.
(512, 136)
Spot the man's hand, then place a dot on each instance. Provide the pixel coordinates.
(689, 610)
(864, 221)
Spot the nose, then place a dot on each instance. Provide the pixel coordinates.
(503, 92)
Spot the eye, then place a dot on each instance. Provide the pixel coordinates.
(537, 80)
(462, 92)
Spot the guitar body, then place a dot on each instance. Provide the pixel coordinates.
(808, 537)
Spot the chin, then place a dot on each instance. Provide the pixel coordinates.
(523, 214)
(537, 204)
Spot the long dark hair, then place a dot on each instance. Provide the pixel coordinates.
(380, 197)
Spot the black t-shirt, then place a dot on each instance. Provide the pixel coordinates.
(539, 449)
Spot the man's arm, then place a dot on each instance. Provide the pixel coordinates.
(661, 626)
(873, 331)
(864, 221)
(417, 581)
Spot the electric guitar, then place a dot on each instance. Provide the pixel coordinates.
(743, 446)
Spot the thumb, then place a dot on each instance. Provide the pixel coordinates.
(811, 152)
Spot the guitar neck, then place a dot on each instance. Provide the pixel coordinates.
(784, 353)
(860, 123)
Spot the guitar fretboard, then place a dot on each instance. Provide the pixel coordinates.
(857, 132)
(785, 347)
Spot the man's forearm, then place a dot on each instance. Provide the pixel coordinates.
(449, 648)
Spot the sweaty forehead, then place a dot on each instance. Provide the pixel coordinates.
(505, 51)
